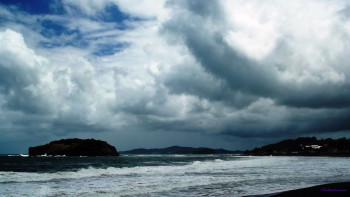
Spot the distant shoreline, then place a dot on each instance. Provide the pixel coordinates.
(180, 150)
(329, 189)
(304, 146)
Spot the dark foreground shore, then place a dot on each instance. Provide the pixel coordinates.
(332, 189)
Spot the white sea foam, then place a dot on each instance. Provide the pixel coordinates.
(195, 166)
(251, 175)
(179, 155)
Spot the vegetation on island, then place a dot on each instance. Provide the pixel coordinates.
(305, 146)
(75, 147)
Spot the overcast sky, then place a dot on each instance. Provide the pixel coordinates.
(155, 73)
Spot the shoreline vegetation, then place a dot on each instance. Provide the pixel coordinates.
(330, 189)
(304, 146)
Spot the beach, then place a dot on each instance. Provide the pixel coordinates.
(332, 189)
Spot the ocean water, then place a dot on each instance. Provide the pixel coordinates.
(165, 175)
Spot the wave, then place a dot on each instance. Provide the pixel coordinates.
(196, 166)
(264, 164)
(120, 181)
(276, 173)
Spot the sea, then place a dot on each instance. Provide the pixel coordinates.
(165, 175)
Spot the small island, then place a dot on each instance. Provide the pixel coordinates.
(305, 146)
(75, 147)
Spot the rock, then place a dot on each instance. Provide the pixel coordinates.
(75, 147)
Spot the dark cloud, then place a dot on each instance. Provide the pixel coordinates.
(244, 74)
(221, 60)
(253, 79)
(326, 96)
(194, 80)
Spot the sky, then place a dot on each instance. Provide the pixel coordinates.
(156, 73)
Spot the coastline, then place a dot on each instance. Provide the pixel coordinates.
(330, 189)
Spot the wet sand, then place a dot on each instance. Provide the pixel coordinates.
(332, 189)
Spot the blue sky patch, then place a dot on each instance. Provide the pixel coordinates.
(113, 14)
(52, 29)
(56, 31)
(76, 41)
(59, 35)
(109, 49)
(36, 6)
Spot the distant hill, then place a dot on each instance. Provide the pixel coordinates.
(180, 150)
(305, 146)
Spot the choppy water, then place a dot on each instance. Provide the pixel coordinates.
(165, 175)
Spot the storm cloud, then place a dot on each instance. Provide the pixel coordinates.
(158, 73)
